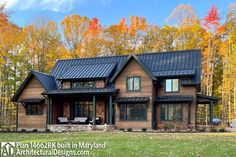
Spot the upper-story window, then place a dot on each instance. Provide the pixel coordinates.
(172, 85)
(133, 83)
(83, 84)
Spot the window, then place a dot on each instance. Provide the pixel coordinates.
(34, 109)
(133, 83)
(83, 84)
(171, 112)
(172, 85)
(83, 109)
(136, 112)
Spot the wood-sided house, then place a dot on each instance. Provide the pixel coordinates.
(136, 91)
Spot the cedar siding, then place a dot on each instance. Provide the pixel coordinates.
(32, 90)
(134, 69)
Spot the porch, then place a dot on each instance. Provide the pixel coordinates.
(83, 109)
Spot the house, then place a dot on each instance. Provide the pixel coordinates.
(129, 91)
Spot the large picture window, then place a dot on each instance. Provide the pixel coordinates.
(135, 112)
(171, 112)
(34, 109)
(133, 84)
(83, 84)
(83, 109)
(172, 85)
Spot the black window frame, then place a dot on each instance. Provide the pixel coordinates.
(172, 80)
(141, 116)
(30, 112)
(169, 120)
(127, 89)
(86, 106)
(83, 86)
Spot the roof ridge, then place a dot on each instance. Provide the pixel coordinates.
(92, 64)
(137, 54)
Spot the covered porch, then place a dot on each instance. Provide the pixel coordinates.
(80, 109)
(207, 104)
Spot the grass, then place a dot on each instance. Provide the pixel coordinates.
(141, 144)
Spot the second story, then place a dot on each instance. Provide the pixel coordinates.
(163, 73)
(141, 75)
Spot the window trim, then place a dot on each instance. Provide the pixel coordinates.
(128, 120)
(127, 90)
(162, 120)
(172, 85)
(38, 114)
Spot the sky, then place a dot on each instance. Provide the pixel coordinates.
(108, 12)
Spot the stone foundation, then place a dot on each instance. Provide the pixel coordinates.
(74, 128)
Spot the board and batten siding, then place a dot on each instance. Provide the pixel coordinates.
(184, 90)
(32, 90)
(134, 69)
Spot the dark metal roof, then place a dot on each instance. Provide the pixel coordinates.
(131, 99)
(174, 98)
(32, 101)
(47, 81)
(82, 91)
(171, 73)
(154, 62)
(203, 99)
(139, 62)
(84, 71)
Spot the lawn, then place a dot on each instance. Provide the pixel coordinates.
(140, 144)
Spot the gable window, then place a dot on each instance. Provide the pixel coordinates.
(83, 84)
(133, 83)
(172, 85)
(133, 112)
(171, 112)
(33, 109)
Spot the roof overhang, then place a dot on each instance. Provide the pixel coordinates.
(131, 100)
(203, 99)
(85, 91)
(32, 101)
(174, 98)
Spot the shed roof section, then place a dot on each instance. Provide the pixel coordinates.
(88, 71)
(184, 62)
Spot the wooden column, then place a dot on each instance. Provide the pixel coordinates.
(49, 111)
(195, 125)
(211, 113)
(189, 114)
(110, 110)
(94, 110)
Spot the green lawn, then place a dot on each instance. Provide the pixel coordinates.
(141, 144)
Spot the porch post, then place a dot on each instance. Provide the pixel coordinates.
(49, 110)
(110, 110)
(94, 110)
(211, 113)
(196, 106)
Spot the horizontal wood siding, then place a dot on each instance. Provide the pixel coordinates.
(134, 69)
(184, 90)
(32, 90)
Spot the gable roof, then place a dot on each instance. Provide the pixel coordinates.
(154, 62)
(86, 71)
(133, 56)
(47, 81)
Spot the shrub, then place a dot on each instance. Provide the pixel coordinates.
(122, 129)
(35, 130)
(129, 129)
(168, 126)
(202, 129)
(222, 130)
(23, 130)
(213, 128)
(144, 129)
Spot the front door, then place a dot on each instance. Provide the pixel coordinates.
(82, 109)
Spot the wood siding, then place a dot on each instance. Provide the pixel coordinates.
(32, 90)
(100, 83)
(134, 69)
(66, 85)
(184, 90)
